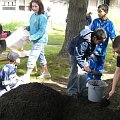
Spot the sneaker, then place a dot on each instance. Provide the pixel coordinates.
(44, 75)
(25, 78)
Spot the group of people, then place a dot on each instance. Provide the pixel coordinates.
(39, 38)
(91, 46)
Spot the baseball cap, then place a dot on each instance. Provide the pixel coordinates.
(12, 56)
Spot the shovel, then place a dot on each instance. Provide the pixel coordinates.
(96, 73)
(105, 102)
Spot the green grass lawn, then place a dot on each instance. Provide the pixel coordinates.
(58, 67)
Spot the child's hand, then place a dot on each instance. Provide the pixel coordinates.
(111, 93)
(24, 27)
(18, 61)
(87, 69)
(25, 38)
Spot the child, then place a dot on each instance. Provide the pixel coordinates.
(39, 38)
(80, 50)
(116, 48)
(88, 19)
(99, 54)
(8, 76)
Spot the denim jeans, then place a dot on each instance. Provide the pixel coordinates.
(76, 83)
(37, 53)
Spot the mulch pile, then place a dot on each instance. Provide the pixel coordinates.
(37, 101)
(32, 101)
(82, 109)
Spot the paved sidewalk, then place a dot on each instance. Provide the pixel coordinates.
(107, 76)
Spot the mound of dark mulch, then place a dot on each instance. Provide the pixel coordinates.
(37, 101)
(82, 109)
(32, 101)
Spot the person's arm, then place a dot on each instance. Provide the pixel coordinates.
(112, 33)
(93, 25)
(79, 52)
(116, 77)
(115, 80)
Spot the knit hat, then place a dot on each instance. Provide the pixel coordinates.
(12, 56)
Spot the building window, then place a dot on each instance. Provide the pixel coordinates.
(8, 8)
(21, 7)
(9, 3)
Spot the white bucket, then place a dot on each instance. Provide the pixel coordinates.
(15, 41)
(96, 90)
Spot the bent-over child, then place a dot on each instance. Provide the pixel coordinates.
(80, 49)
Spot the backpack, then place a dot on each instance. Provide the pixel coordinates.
(75, 42)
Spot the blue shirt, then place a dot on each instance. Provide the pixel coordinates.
(108, 26)
(37, 28)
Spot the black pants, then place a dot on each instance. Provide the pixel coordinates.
(2, 45)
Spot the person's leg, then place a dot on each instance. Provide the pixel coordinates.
(45, 69)
(34, 54)
(43, 62)
(82, 79)
(99, 66)
(73, 77)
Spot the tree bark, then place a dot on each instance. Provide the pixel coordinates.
(75, 22)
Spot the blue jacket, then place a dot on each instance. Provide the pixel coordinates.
(37, 28)
(108, 26)
(81, 46)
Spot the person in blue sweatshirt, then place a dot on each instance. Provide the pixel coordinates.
(99, 54)
(80, 49)
(39, 38)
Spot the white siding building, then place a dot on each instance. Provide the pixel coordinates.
(14, 4)
(14, 10)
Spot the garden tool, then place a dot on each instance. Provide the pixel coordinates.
(96, 73)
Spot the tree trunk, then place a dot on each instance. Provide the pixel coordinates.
(75, 22)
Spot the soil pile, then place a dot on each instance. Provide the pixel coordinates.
(37, 101)
(32, 101)
(82, 109)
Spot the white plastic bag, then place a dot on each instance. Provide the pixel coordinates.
(17, 39)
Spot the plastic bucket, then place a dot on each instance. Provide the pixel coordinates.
(17, 39)
(96, 90)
